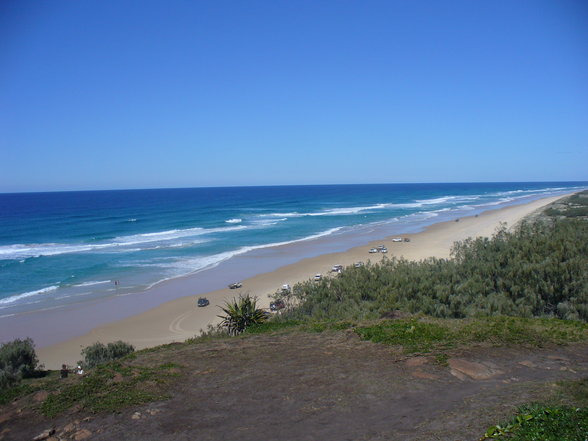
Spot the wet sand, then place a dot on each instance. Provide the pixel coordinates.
(179, 319)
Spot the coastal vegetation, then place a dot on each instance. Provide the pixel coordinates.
(240, 313)
(573, 206)
(428, 334)
(110, 387)
(556, 420)
(541, 422)
(424, 334)
(18, 360)
(99, 353)
(535, 270)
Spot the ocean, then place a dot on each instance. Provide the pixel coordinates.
(69, 247)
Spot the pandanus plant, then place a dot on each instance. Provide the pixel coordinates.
(241, 313)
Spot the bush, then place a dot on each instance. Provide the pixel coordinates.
(240, 314)
(536, 270)
(17, 360)
(7, 379)
(99, 353)
(543, 423)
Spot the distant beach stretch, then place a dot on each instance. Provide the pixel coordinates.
(263, 241)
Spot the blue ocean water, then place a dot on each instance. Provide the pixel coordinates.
(58, 248)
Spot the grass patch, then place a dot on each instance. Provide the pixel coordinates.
(305, 326)
(442, 359)
(18, 391)
(563, 417)
(426, 335)
(413, 335)
(272, 326)
(526, 331)
(111, 387)
(322, 326)
(543, 423)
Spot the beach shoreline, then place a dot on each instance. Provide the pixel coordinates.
(178, 319)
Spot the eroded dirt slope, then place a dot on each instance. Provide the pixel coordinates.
(328, 386)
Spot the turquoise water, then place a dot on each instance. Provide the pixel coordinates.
(57, 248)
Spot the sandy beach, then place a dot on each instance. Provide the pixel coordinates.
(179, 319)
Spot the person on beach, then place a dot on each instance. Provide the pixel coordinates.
(64, 372)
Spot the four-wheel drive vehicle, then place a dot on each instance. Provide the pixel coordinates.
(277, 305)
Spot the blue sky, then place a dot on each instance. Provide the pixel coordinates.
(144, 94)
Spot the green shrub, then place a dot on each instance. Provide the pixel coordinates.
(240, 314)
(97, 392)
(536, 270)
(413, 335)
(430, 334)
(543, 423)
(99, 353)
(7, 379)
(17, 360)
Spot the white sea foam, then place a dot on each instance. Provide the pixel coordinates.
(92, 283)
(268, 222)
(118, 244)
(24, 295)
(348, 210)
(172, 235)
(328, 212)
(498, 202)
(435, 201)
(284, 215)
(234, 221)
(539, 191)
(194, 265)
(24, 251)
(383, 206)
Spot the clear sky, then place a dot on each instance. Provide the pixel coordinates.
(143, 94)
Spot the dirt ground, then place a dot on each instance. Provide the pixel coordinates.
(328, 386)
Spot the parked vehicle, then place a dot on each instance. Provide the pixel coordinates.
(286, 288)
(277, 305)
(235, 285)
(373, 250)
(337, 268)
(202, 302)
(384, 250)
(358, 264)
(318, 277)
(397, 239)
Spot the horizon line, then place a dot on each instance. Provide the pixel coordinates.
(284, 185)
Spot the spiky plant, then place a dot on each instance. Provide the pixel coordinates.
(241, 313)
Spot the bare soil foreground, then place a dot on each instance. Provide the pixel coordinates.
(315, 386)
